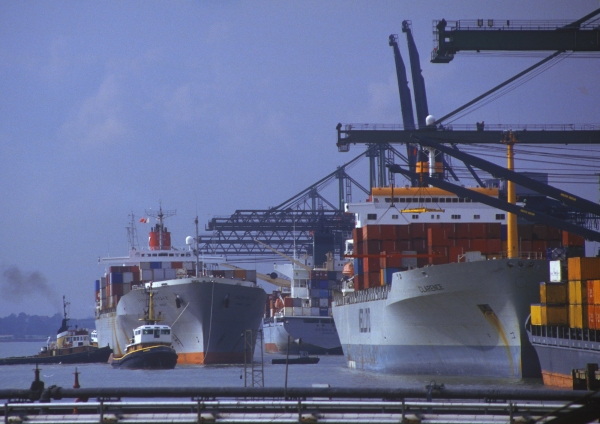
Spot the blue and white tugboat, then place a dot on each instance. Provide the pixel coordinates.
(150, 346)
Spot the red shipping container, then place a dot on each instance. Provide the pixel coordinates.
(390, 261)
(493, 231)
(592, 316)
(525, 245)
(572, 240)
(371, 232)
(388, 232)
(402, 232)
(494, 245)
(539, 246)
(357, 234)
(403, 245)
(372, 247)
(288, 302)
(418, 231)
(454, 252)
(554, 234)
(420, 245)
(441, 255)
(371, 265)
(477, 231)
(525, 231)
(462, 231)
(540, 232)
(479, 245)
(593, 292)
(388, 245)
(375, 278)
(438, 237)
(449, 230)
(464, 244)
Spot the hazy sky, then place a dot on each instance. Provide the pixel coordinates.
(108, 108)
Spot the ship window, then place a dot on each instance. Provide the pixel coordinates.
(371, 216)
(442, 200)
(455, 200)
(165, 331)
(500, 216)
(394, 216)
(434, 199)
(404, 199)
(415, 217)
(427, 200)
(156, 334)
(148, 331)
(455, 217)
(432, 216)
(461, 200)
(388, 200)
(476, 216)
(438, 217)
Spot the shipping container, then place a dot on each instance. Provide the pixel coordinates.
(593, 292)
(388, 232)
(572, 240)
(170, 273)
(578, 316)
(288, 302)
(314, 311)
(147, 274)
(116, 278)
(536, 314)
(288, 310)
(297, 311)
(97, 285)
(525, 231)
(578, 292)
(553, 293)
(555, 315)
(296, 302)
(418, 231)
(540, 232)
(403, 232)
(371, 265)
(494, 245)
(127, 277)
(592, 316)
(324, 312)
(583, 268)
(155, 265)
(323, 302)
(493, 231)
(371, 232)
(539, 246)
(159, 274)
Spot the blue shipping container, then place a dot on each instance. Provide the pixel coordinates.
(116, 278)
(155, 265)
(97, 285)
(324, 294)
(323, 284)
(324, 312)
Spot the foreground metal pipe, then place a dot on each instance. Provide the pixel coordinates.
(57, 393)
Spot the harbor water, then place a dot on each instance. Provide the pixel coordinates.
(331, 370)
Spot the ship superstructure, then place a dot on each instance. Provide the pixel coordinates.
(208, 309)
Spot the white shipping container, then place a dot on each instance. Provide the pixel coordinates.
(297, 311)
(170, 273)
(314, 312)
(127, 277)
(306, 312)
(166, 265)
(188, 265)
(288, 310)
(147, 274)
(159, 274)
(323, 302)
(145, 265)
(102, 283)
(126, 288)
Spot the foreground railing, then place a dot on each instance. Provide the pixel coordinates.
(279, 405)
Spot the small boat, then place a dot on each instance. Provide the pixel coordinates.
(302, 358)
(150, 346)
(72, 346)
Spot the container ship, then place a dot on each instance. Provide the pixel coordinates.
(211, 311)
(564, 327)
(300, 319)
(434, 291)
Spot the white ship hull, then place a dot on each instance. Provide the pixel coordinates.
(208, 323)
(453, 319)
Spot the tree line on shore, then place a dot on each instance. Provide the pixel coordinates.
(25, 326)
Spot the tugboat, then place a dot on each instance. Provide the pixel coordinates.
(150, 346)
(72, 346)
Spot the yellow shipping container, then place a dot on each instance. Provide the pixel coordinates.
(578, 316)
(553, 293)
(555, 315)
(583, 268)
(536, 314)
(578, 294)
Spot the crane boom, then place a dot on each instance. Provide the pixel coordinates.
(500, 172)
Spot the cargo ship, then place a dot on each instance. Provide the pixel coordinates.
(301, 317)
(564, 326)
(210, 311)
(434, 291)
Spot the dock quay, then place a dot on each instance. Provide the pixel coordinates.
(432, 404)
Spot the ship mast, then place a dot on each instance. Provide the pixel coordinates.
(160, 228)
